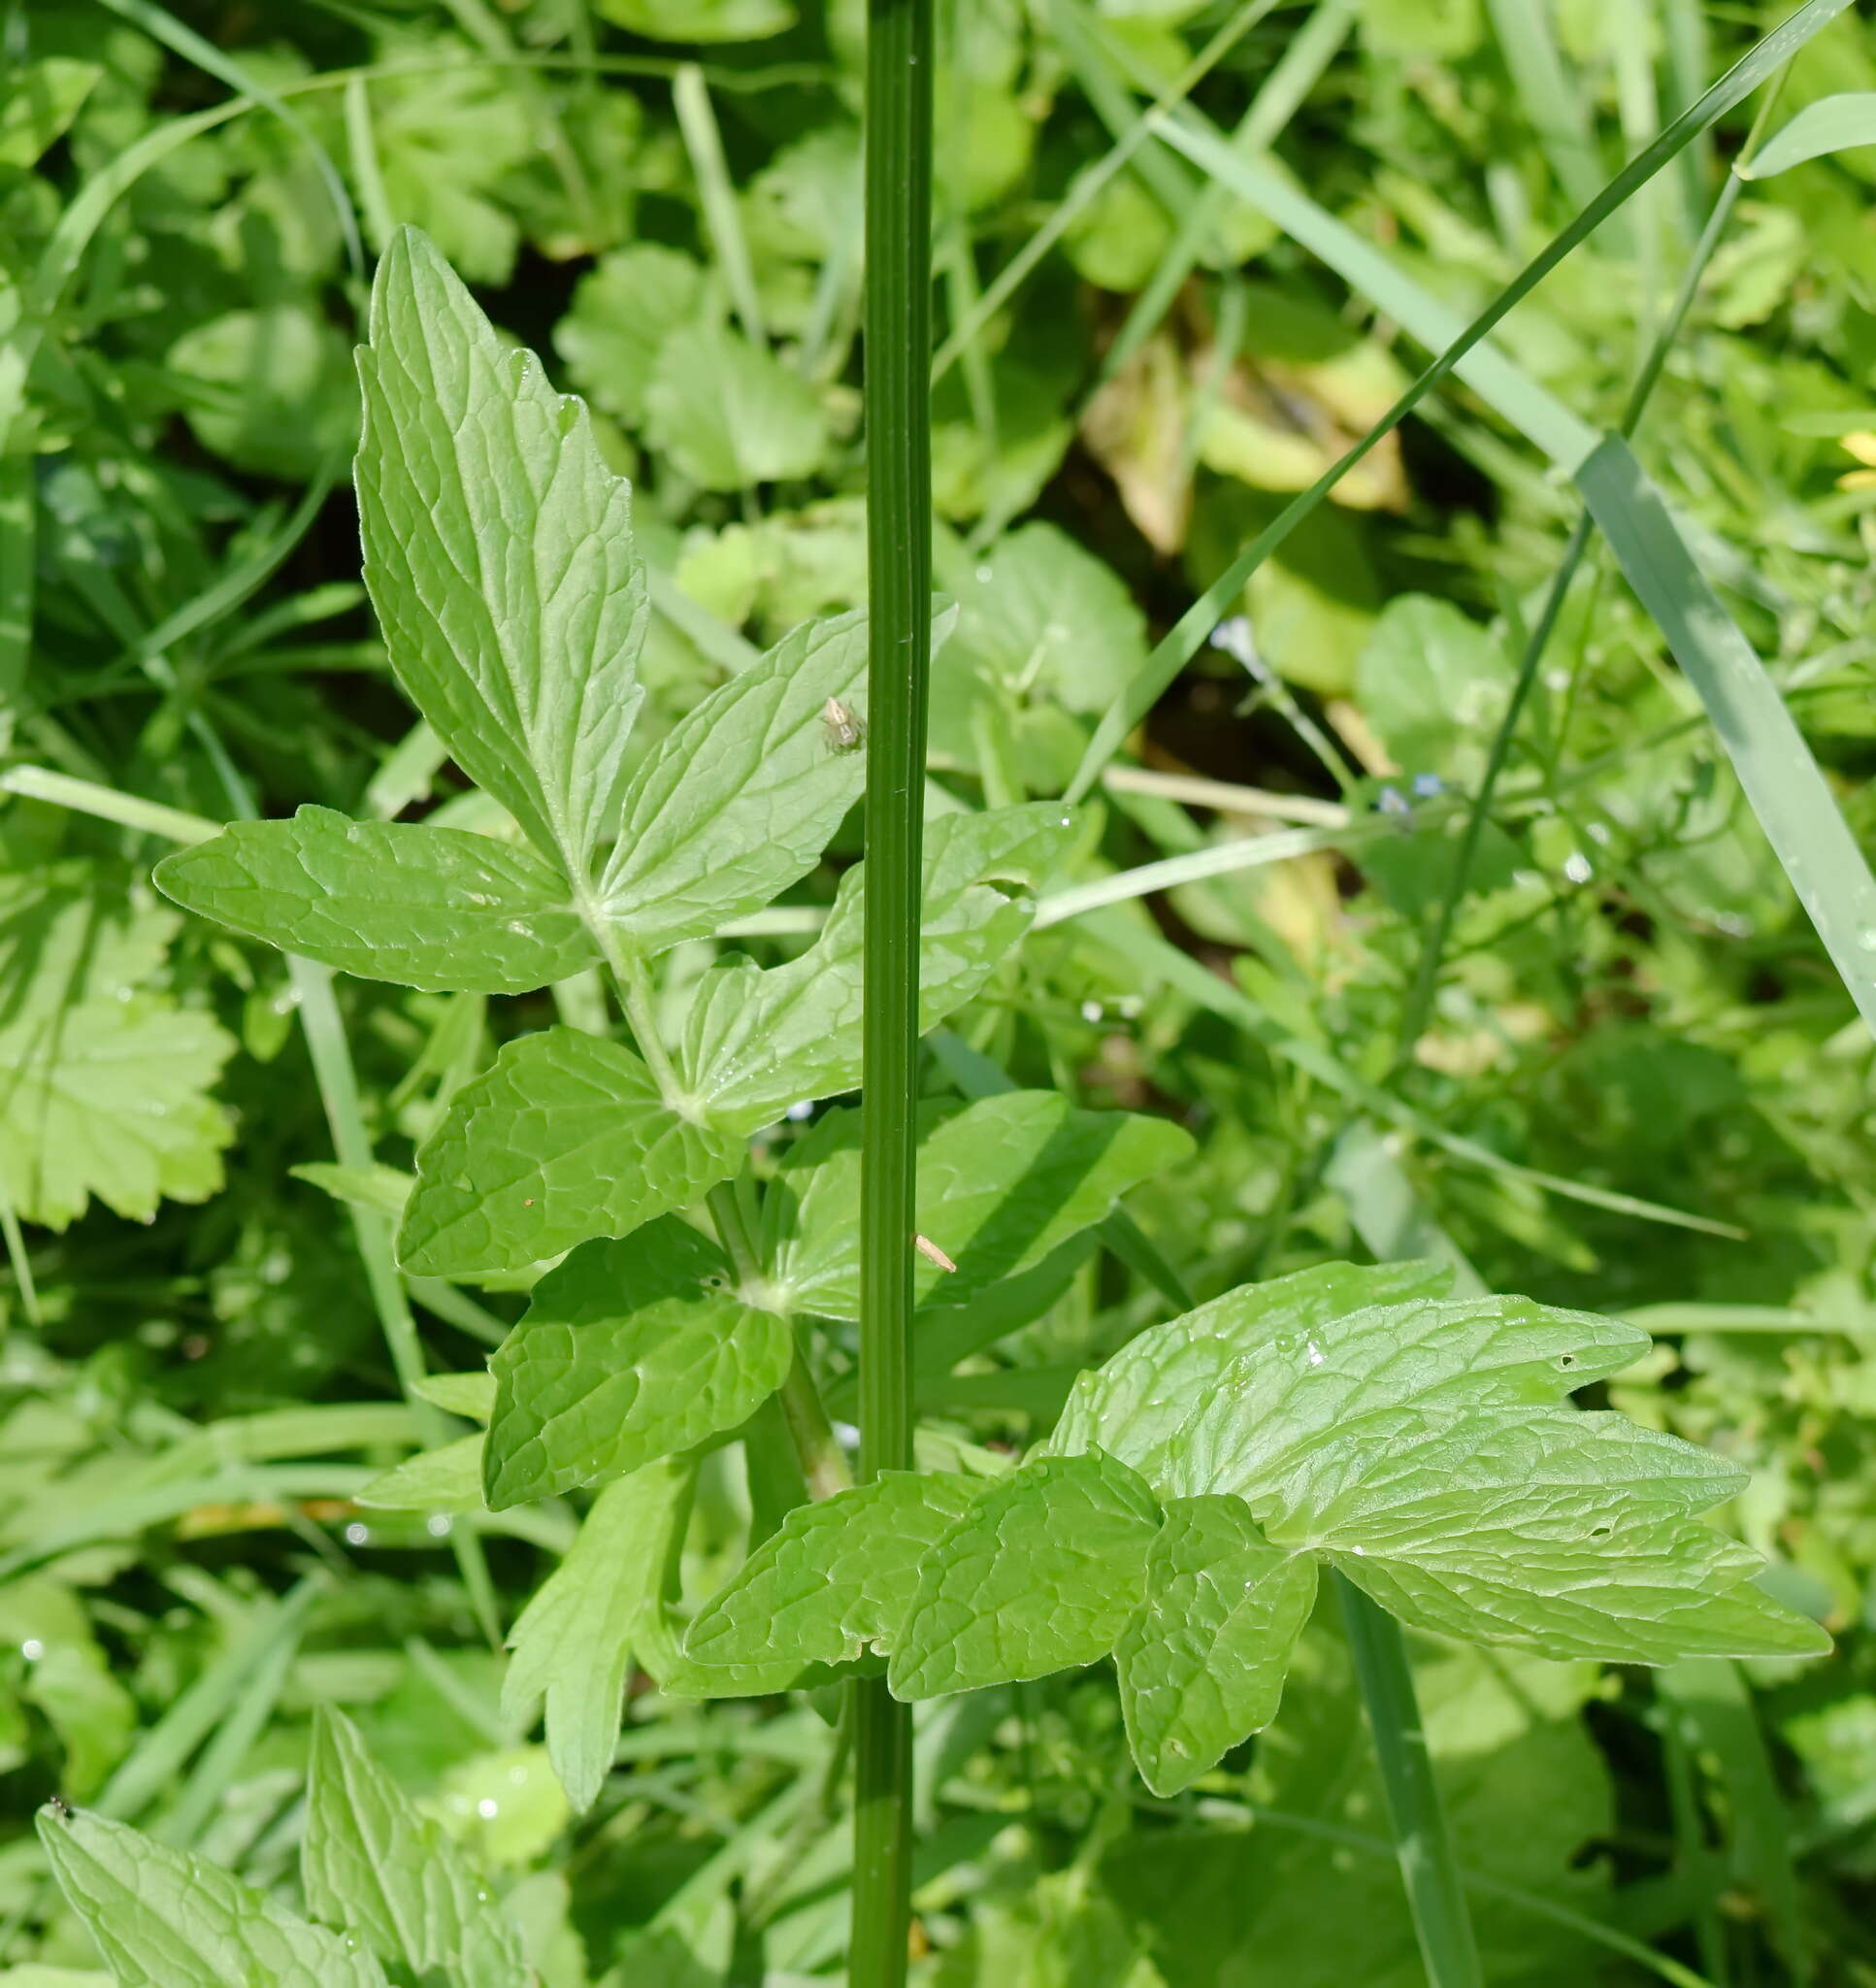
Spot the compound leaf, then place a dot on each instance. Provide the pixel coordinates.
(740, 798)
(563, 1138)
(628, 1352)
(1000, 1185)
(431, 907)
(623, 310)
(1419, 1444)
(1043, 1572)
(105, 1081)
(832, 1585)
(754, 1043)
(575, 1640)
(498, 552)
(371, 1861)
(164, 1919)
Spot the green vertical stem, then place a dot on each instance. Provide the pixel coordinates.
(1429, 1867)
(898, 352)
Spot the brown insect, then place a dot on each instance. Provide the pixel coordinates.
(932, 1254)
(847, 729)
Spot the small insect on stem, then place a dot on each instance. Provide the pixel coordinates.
(932, 1254)
(846, 730)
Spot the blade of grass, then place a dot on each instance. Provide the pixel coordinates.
(1662, 1965)
(361, 143)
(1781, 781)
(244, 1720)
(1830, 125)
(1442, 1922)
(1386, 1213)
(1192, 978)
(1709, 1699)
(186, 1721)
(1224, 797)
(898, 383)
(106, 804)
(690, 98)
(163, 26)
(1086, 188)
(1182, 642)
(1548, 94)
(1418, 1008)
(1310, 51)
(1536, 412)
(1690, 59)
(1216, 859)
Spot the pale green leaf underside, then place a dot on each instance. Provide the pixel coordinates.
(431, 907)
(1202, 1665)
(1041, 1573)
(564, 1139)
(832, 1585)
(741, 797)
(164, 1919)
(498, 552)
(754, 1043)
(1000, 1185)
(628, 1352)
(369, 1861)
(575, 1640)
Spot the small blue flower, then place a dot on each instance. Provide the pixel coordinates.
(1392, 801)
(1426, 785)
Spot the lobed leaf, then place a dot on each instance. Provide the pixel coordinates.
(740, 797)
(165, 1919)
(574, 1642)
(1000, 1185)
(498, 552)
(1043, 1572)
(563, 1138)
(432, 907)
(371, 1861)
(629, 1351)
(754, 1043)
(1419, 1444)
(832, 1585)
(729, 414)
(1202, 1665)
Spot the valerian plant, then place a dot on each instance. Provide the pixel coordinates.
(1179, 1515)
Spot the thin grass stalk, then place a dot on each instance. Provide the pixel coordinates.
(1177, 647)
(1419, 1006)
(898, 363)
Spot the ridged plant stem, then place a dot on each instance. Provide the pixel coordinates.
(898, 359)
